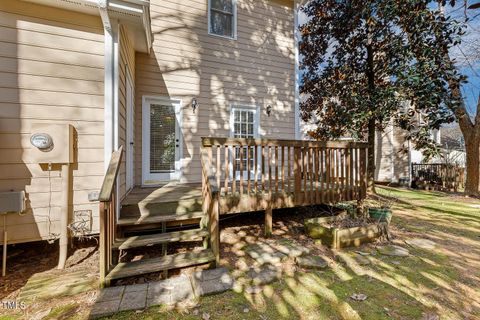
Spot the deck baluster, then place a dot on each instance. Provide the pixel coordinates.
(276, 169)
(227, 167)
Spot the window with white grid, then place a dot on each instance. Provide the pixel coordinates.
(244, 126)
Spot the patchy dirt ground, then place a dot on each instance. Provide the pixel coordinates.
(437, 282)
(39, 260)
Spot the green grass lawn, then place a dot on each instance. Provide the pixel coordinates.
(443, 282)
(439, 283)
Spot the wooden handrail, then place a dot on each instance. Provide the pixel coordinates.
(212, 141)
(211, 202)
(207, 169)
(111, 176)
(107, 213)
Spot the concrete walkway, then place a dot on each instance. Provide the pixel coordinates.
(169, 292)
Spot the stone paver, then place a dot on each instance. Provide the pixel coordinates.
(261, 276)
(263, 253)
(291, 249)
(311, 262)
(422, 243)
(133, 300)
(104, 308)
(211, 281)
(112, 293)
(170, 291)
(361, 260)
(136, 287)
(393, 250)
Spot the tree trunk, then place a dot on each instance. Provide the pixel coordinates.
(472, 148)
(371, 122)
(470, 129)
(371, 157)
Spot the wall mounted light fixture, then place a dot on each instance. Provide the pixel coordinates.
(194, 104)
(269, 110)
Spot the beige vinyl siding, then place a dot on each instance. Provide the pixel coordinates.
(256, 69)
(51, 71)
(126, 60)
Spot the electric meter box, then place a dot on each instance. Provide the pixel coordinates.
(52, 143)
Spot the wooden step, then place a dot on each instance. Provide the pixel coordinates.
(150, 219)
(151, 207)
(159, 238)
(174, 261)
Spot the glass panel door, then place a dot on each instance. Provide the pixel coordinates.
(244, 125)
(162, 145)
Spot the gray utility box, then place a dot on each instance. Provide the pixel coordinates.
(13, 201)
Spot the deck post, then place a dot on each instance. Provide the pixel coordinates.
(102, 242)
(213, 225)
(269, 218)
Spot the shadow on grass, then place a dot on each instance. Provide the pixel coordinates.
(440, 281)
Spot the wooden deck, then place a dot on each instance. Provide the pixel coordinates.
(238, 175)
(171, 202)
(181, 202)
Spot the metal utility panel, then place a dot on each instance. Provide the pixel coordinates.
(60, 139)
(12, 201)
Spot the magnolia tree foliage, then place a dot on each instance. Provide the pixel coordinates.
(380, 61)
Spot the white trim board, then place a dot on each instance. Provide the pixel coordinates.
(130, 131)
(296, 35)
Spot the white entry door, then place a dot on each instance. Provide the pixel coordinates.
(129, 135)
(162, 142)
(244, 123)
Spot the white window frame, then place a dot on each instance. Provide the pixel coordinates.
(256, 130)
(209, 9)
(148, 178)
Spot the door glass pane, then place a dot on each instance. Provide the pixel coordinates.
(162, 138)
(243, 127)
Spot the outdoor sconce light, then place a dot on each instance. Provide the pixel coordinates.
(194, 104)
(269, 110)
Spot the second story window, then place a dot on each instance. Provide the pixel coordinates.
(222, 18)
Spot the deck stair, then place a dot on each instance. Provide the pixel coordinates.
(172, 261)
(153, 209)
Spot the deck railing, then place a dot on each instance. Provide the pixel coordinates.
(241, 175)
(312, 171)
(107, 212)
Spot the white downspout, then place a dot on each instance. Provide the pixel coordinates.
(111, 87)
(110, 81)
(296, 36)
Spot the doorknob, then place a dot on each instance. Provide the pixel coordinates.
(131, 143)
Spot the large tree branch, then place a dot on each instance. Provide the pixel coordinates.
(460, 110)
